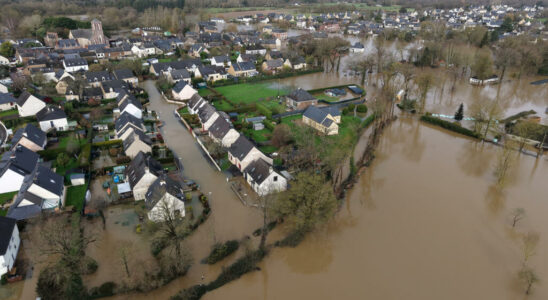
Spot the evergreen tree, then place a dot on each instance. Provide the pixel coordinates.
(485, 40)
(459, 115)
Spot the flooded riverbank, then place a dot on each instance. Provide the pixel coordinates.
(422, 223)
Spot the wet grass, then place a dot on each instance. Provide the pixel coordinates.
(10, 112)
(204, 92)
(247, 93)
(7, 197)
(289, 120)
(268, 149)
(76, 196)
(262, 135)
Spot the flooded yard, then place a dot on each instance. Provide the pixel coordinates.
(423, 222)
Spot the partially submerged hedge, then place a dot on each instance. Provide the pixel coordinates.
(449, 126)
(220, 251)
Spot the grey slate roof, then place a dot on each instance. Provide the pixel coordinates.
(127, 100)
(243, 66)
(160, 187)
(20, 160)
(23, 98)
(50, 113)
(73, 62)
(206, 112)
(7, 226)
(136, 135)
(123, 74)
(274, 63)
(300, 95)
(6, 98)
(195, 100)
(219, 128)
(49, 180)
(32, 133)
(180, 74)
(240, 148)
(126, 118)
(179, 86)
(318, 115)
(258, 170)
(98, 76)
(141, 165)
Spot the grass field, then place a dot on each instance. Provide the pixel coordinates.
(204, 92)
(76, 196)
(289, 120)
(64, 141)
(323, 96)
(262, 135)
(222, 105)
(249, 92)
(6, 197)
(62, 170)
(8, 112)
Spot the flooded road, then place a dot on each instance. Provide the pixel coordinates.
(422, 223)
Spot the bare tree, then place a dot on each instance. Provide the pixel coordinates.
(517, 214)
(528, 277)
(424, 82)
(505, 159)
(529, 247)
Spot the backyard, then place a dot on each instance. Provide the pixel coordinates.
(248, 93)
(75, 196)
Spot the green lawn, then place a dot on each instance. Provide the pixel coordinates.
(347, 126)
(183, 110)
(6, 197)
(289, 120)
(222, 105)
(76, 196)
(8, 112)
(268, 149)
(249, 92)
(204, 92)
(64, 140)
(3, 212)
(325, 97)
(262, 135)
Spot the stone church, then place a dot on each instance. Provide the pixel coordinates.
(93, 36)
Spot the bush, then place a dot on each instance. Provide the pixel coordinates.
(351, 106)
(264, 110)
(242, 266)
(449, 126)
(90, 266)
(113, 152)
(123, 160)
(268, 124)
(83, 157)
(107, 144)
(291, 240)
(361, 108)
(104, 290)
(220, 251)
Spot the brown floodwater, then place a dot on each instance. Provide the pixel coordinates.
(423, 222)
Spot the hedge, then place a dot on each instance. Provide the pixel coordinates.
(268, 124)
(361, 108)
(263, 77)
(449, 126)
(220, 251)
(108, 144)
(243, 109)
(519, 115)
(264, 110)
(50, 154)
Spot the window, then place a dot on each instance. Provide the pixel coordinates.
(275, 178)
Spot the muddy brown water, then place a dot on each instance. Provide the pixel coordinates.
(422, 223)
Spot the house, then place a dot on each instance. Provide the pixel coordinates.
(183, 91)
(137, 142)
(127, 103)
(3, 88)
(179, 75)
(221, 131)
(207, 115)
(9, 244)
(321, 120)
(298, 63)
(94, 79)
(4, 61)
(127, 76)
(15, 165)
(164, 198)
(357, 48)
(52, 118)
(196, 49)
(194, 104)
(300, 99)
(42, 190)
(255, 50)
(247, 57)
(30, 137)
(242, 69)
(279, 34)
(263, 179)
(77, 179)
(273, 65)
(221, 61)
(141, 172)
(242, 152)
(7, 102)
(126, 124)
(75, 64)
(211, 74)
(29, 105)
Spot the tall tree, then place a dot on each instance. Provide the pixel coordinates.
(459, 115)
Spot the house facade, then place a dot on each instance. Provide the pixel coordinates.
(9, 244)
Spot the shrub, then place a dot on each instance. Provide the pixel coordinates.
(291, 240)
(113, 152)
(268, 124)
(104, 290)
(83, 157)
(351, 106)
(242, 266)
(264, 110)
(107, 144)
(361, 108)
(123, 160)
(449, 126)
(220, 251)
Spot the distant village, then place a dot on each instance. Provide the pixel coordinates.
(78, 134)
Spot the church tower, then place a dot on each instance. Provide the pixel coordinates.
(97, 36)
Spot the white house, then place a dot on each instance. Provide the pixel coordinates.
(29, 105)
(242, 153)
(263, 179)
(52, 118)
(357, 48)
(207, 115)
(49, 186)
(221, 61)
(222, 132)
(75, 64)
(183, 91)
(165, 198)
(9, 244)
(15, 165)
(127, 103)
(195, 103)
(3, 88)
(4, 61)
(7, 102)
(127, 124)
(141, 172)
